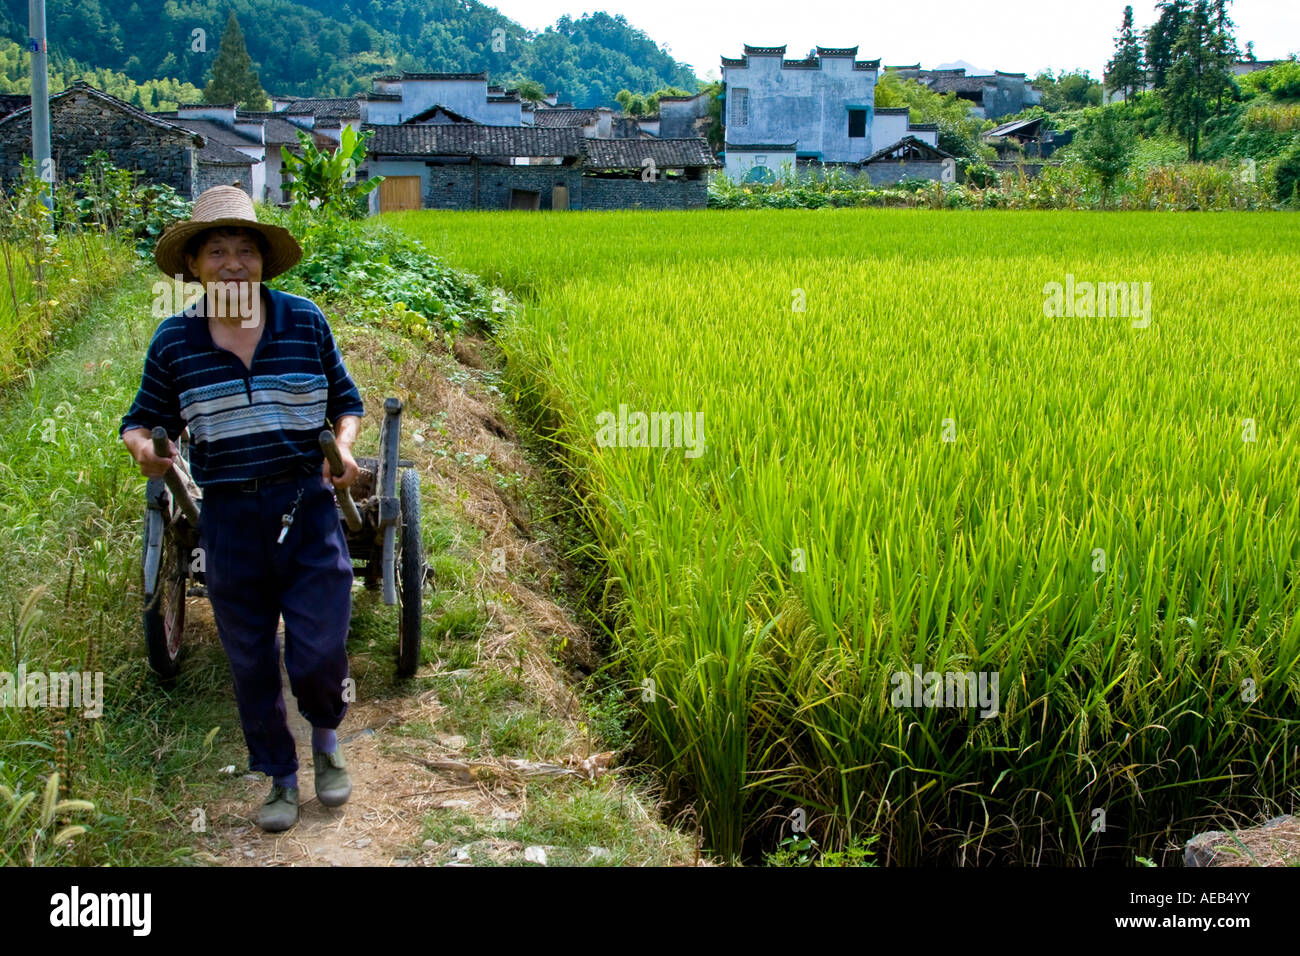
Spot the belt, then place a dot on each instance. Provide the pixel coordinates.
(254, 485)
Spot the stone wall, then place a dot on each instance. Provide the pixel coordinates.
(452, 187)
(680, 119)
(634, 194)
(81, 123)
(206, 176)
(885, 173)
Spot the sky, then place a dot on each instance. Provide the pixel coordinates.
(1023, 36)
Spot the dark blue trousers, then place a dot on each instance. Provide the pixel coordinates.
(252, 582)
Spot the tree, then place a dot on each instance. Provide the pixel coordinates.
(1069, 91)
(1195, 79)
(1161, 37)
(959, 131)
(530, 91)
(233, 78)
(1223, 49)
(633, 104)
(1124, 72)
(1107, 149)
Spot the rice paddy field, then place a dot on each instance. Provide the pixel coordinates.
(907, 467)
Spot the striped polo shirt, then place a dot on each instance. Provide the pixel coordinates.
(246, 422)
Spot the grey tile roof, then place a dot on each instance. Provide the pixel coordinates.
(278, 129)
(482, 75)
(334, 107)
(559, 119)
(436, 108)
(1025, 127)
(211, 130)
(103, 97)
(631, 153)
(219, 154)
(925, 150)
(953, 81)
(459, 139)
(12, 102)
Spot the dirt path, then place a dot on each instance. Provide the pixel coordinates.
(489, 737)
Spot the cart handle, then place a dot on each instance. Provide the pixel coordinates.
(331, 450)
(175, 484)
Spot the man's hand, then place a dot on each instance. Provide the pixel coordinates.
(351, 470)
(345, 433)
(140, 443)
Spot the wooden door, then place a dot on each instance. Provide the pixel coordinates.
(399, 192)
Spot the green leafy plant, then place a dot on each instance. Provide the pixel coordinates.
(388, 278)
(328, 178)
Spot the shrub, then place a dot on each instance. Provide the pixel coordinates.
(1281, 79)
(371, 264)
(980, 174)
(1286, 176)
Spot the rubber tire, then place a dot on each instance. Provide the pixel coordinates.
(410, 576)
(164, 660)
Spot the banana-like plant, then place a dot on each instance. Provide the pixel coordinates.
(328, 178)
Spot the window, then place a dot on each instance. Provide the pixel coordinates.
(857, 124)
(740, 108)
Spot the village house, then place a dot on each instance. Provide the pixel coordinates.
(909, 158)
(454, 141)
(84, 119)
(990, 96)
(816, 111)
(477, 166)
(1025, 139)
(684, 116)
(395, 99)
(256, 135)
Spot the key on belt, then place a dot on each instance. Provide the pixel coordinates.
(287, 519)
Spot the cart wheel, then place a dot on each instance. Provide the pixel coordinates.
(164, 605)
(410, 576)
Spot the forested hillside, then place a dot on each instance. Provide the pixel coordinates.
(162, 94)
(332, 47)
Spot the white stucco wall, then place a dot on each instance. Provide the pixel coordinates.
(809, 107)
(737, 164)
(467, 97)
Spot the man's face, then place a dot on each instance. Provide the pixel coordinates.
(225, 262)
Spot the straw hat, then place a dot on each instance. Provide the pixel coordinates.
(225, 206)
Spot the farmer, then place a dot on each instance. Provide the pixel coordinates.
(255, 375)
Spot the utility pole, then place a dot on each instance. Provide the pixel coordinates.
(38, 46)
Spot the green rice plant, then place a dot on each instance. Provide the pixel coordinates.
(919, 467)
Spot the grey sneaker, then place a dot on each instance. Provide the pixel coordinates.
(280, 811)
(333, 785)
